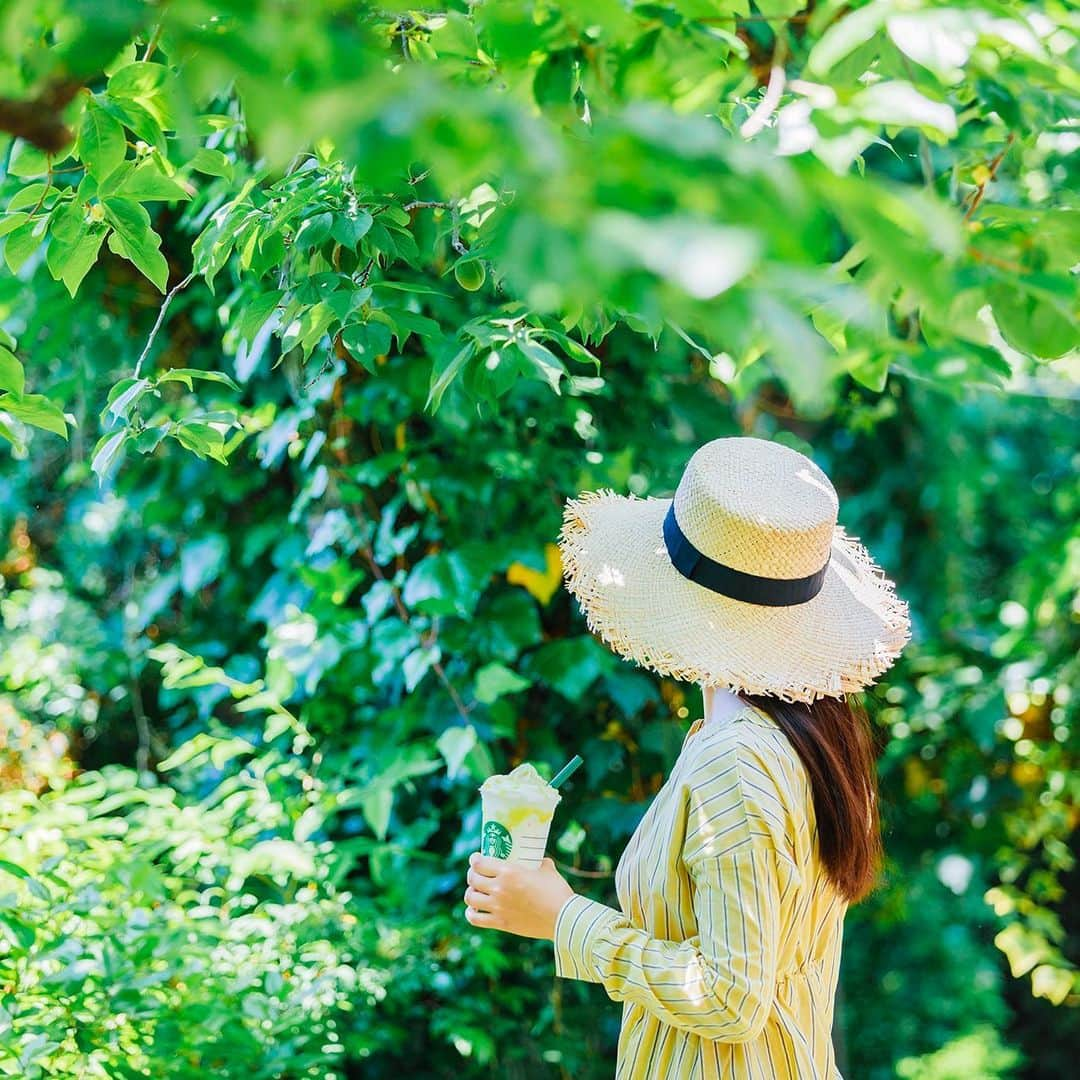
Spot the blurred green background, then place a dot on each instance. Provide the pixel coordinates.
(312, 317)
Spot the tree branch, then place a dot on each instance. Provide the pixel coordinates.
(169, 296)
(39, 120)
(992, 168)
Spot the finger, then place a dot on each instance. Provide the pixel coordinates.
(480, 901)
(547, 863)
(486, 865)
(479, 883)
(479, 918)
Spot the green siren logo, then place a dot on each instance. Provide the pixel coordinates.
(497, 840)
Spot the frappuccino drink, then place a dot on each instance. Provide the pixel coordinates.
(517, 810)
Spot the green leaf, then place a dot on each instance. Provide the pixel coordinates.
(7, 433)
(314, 230)
(313, 326)
(27, 160)
(67, 224)
(81, 258)
(1023, 948)
(106, 451)
(797, 353)
(252, 316)
(1053, 983)
(366, 341)
(147, 183)
(22, 934)
(11, 222)
(194, 748)
(939, 40)
(74, 244)
(16, 871)
(204, 440)
(454, 744)
(445, 584)
(898, 103)
(110, 183)
(36, 410)
(201, 562)
(494, 680)
(780, 9)
(123, 395)
(576, 351)
(31, 196)
(556, 80)
(873, 372)
(187, 374)
(212, 163)
(349, 229)
(444, 373)
(141, 120)
(376, 807)
(417, 664)
(409, 322)
(543, 361)
(414, 288)
(102, 144)
(137, 240)
(21, 243)
(845, 35)
(146, 86)
(569, 665)
(1034, 322)
(12, 375)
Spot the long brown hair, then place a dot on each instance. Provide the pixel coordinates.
(834, 739)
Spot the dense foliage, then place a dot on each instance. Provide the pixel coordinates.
(313, 316)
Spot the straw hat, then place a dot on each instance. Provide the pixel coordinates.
(744, 579)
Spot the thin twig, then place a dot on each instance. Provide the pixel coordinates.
(926, 161)
(161, 319)
(455, 219)
(152, 44)
(980, 191)
(455, 231)
(48, 184)
(773, 92)
(427, 204)
(142, 723)
(993, 260)
(142, 727)
(724, 20)
(53, 172)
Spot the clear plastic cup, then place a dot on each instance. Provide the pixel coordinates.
(517, 811)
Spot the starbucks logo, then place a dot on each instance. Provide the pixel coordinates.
(497, 841)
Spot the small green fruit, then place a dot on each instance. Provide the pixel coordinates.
(470, 274)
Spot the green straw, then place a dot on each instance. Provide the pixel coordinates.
(566, 771)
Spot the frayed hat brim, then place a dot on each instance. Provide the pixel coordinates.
(616, 565)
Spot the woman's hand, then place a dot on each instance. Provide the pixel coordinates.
(515, 898)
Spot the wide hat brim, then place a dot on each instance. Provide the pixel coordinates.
(616, 565)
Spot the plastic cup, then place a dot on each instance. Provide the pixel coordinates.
(517, 810)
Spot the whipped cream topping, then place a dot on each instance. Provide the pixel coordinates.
(525, 782)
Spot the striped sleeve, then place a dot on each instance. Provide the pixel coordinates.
(720, 982)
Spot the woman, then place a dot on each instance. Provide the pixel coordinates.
(726, 948)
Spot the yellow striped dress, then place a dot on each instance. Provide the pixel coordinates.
(726, 952)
